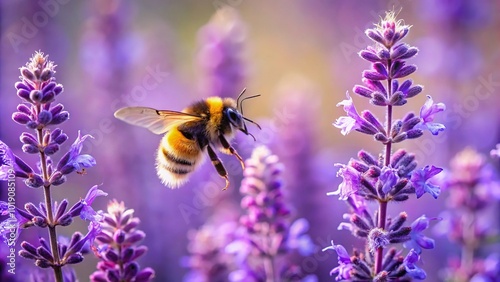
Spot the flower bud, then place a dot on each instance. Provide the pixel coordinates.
(30, 149)
(74, 258)
(24, 94)
(36, 96)
(44, 117)
(21, 118)
(51, 149)
(32, 124)
(60, 118)
(27, 74)
(46, 74)
(58, 89)
(61, 138)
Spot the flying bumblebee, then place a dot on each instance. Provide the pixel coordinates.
(204, 125)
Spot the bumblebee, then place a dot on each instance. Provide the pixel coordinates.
(205, 125)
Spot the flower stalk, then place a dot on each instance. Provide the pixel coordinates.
(39, 112)
(393, 176)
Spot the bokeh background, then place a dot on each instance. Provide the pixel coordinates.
(299, 55)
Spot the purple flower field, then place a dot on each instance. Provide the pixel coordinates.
(373, 156)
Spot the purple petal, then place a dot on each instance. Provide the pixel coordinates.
(388, 178)
(93, 193)
(425, 242)
(413, 270)
(427, 113)
(420, 178)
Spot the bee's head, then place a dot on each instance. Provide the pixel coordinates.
(236, 119)
(235, 116)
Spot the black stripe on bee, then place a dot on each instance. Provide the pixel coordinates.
(177, 170)
(200, 108)
(174, 159)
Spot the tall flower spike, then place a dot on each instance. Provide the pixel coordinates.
(267, 237)
(472, 189)
(393, 176)
(221, 54)
(39, 114)
(208, 260)
(118, 249)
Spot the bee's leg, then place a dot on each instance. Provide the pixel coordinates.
(231, 150)
(218, 165)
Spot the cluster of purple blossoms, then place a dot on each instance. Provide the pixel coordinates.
(473, 189)
(267, 238)
(393, 176)
(39, 113)
(117, 247)
(208, 260)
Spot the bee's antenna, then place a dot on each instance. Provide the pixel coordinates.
(252, 136)
(239, 96)
(249, 120)
(246, 98)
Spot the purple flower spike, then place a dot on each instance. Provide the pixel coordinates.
(418, 240)
(118, 257)
(420, 180)
(343, 270)
(413, 270)
(267, 236)
(350, 184)
(427, 113)
(393, 176)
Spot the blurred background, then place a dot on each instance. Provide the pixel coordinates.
(300, 56)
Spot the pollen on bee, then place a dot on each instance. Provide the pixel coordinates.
(82, 172)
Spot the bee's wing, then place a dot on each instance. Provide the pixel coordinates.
(158, 121)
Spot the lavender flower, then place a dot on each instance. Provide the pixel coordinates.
(208, 260)
(220, 56)
(343, 271)
(118, 249)
(268, 237)
(391, 177)
(472, 187)
(38, 111)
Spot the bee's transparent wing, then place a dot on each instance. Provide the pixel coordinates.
(158, 121)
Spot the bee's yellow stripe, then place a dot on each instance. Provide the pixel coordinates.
(215, 106)
(180, 147)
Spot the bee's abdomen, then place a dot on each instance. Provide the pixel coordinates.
(177, 157)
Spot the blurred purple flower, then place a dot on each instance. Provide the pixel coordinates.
(495, 152)
(472, 185)
(268, 235)
(221, 56)
(420, 180)
(210, 256)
